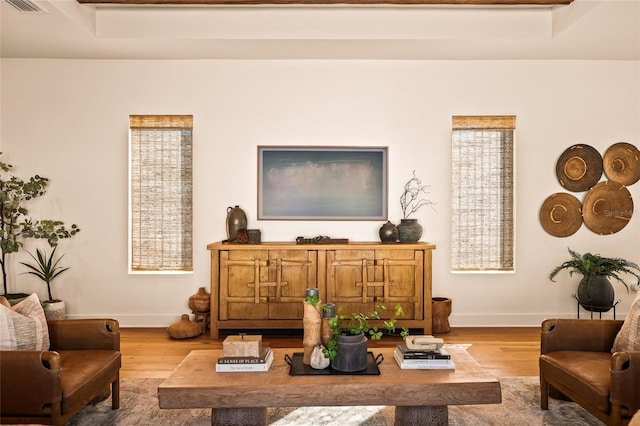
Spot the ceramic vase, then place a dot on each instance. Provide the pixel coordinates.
(184, 328)
(388, 233)
(54, 310)
(236, 220)
(200, 302)
(597, 295)
(409, 231)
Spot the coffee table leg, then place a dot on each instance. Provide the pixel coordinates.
(239, 416)
(422, 416)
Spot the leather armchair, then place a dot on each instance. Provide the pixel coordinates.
(50, 387)
(576, 361)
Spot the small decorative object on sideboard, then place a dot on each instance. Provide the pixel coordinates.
(321, 239)
(388, 233)
(236, 220)
(409, 230)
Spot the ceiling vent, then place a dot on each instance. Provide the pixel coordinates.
(26, 6)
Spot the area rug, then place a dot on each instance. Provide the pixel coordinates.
(520, 406)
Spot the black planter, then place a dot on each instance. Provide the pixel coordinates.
(352, 353)
(597, 295)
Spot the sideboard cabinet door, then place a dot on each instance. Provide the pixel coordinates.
(265, 284)
(361, 280)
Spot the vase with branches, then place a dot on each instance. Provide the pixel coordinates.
(412, 199)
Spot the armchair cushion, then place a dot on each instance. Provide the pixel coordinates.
(86, 372)
(628, 339)
(24, 326)
(587, 373)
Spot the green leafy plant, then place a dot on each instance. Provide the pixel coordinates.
(45, 268)
(593, 265)
(313, 300)
(357, 322)
(16, 225)
(410, 200)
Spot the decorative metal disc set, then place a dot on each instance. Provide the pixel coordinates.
(607, 206)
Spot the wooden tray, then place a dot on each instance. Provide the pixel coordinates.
(298, 368)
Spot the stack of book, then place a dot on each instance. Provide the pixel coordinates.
(412, 359)
(230, 364)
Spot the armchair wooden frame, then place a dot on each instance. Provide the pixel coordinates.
(50, 387)
(576, 361)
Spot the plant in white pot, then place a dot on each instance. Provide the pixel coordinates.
(595, 292)
(47, 268)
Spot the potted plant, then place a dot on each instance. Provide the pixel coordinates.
(47, 269)
(347, 346)
(412, 200)
(16, 225)
(595, 292)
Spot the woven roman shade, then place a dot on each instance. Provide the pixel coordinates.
(482, 193)
(161, 188)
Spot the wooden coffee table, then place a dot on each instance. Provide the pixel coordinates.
(420, 396)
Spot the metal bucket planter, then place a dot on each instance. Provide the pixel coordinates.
(352, 353)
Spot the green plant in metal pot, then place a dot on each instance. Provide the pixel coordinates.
(352, 331)
(46, 268)
(595, 292)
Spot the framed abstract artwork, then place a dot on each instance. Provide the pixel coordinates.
(322, 183)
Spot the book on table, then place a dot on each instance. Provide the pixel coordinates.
(422, 354)
(422, 364)
(223, 367)
(265, 351)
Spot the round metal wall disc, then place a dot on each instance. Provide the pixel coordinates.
(607, 208)
(560, 214)
(621, 163)
(579, 168)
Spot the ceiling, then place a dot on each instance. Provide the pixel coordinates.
(585, 29)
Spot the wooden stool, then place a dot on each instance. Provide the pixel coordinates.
(203, 319)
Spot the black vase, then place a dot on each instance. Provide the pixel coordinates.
(596, 295)
(236, 220)
(352, 353)
(409, 231)
(388, 233)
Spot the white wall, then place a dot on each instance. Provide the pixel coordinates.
(68, 120)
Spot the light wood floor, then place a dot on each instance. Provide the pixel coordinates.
(504, 351)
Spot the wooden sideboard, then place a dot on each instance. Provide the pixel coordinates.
(262, 286)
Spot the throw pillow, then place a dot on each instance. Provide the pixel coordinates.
(24, 327)
(628, 338)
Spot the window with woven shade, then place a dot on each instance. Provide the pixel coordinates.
(160, 193)
(482, 193)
